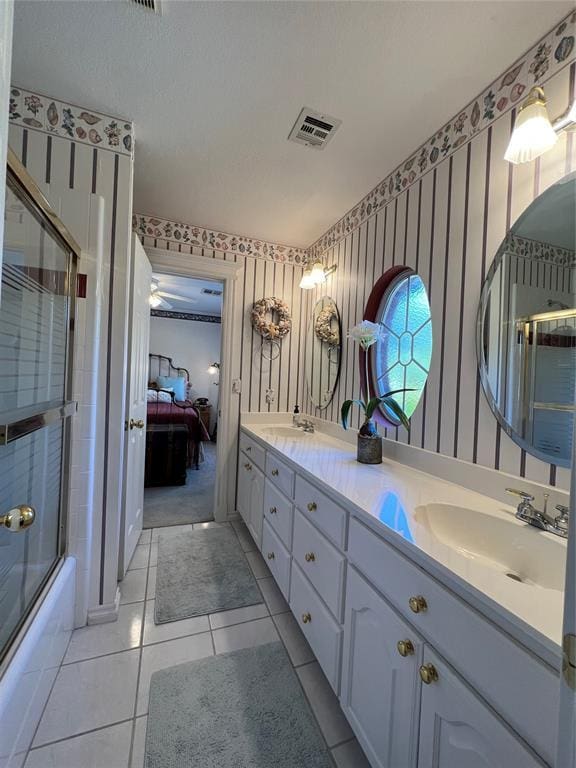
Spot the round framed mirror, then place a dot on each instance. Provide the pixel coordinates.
(323, 352)
(401, 359)
(526, 331)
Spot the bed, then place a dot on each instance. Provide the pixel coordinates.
(180, 412)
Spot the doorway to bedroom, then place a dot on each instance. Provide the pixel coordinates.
(183, 400)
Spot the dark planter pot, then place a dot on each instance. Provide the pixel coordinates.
(369, 444)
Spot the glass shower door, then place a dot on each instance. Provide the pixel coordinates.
(36, 307)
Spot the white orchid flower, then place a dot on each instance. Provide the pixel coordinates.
(366, 333)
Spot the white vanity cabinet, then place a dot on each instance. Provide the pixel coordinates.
(423, 677)
(250, 498)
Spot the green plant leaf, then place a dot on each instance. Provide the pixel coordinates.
(371, 406)
(345, 410)
(396, 410)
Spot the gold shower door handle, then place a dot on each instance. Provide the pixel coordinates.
(19, 518)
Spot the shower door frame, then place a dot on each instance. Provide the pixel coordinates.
(16, 171)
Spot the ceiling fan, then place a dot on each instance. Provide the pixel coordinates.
(158, 297)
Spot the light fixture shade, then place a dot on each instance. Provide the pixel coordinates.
(533, 133)
(307, 281)
(317, 273)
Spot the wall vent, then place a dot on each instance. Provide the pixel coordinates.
(211, 291)
(313, 129)
(152, 6)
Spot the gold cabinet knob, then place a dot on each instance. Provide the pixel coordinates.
(312, 507)
(270, 555)
(137, 423)
(418, 604)
(273, 510)
(18, 518)
(248, 466)
(428, 673)
(275, 472)
(306, 618)
(310, 557)
(405, 647)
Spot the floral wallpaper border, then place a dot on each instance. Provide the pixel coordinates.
(544, 60)
(163, 229)
(42, 113)
(185, 316)
(535, 249)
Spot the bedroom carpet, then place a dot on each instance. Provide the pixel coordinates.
(203, 571)
(184, 504)
(247, 710)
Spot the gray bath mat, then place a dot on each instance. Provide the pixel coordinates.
(200, 572)
(243, 709)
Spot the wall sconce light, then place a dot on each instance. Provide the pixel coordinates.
(533, 133)
(316, 275)
(213, 368)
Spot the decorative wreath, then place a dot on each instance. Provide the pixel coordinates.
(323, 326)
(269, 329)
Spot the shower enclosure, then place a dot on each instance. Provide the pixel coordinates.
(38, 289)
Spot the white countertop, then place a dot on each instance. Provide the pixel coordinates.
(386, 496)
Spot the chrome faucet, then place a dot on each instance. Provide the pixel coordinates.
(541, 519)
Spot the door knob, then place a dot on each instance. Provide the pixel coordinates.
(138, 423)
(310, 557)
(405, 647)
(18, 518)
(418, 604)
(275, 472)
(312, 507)
(306, 618)
(273, 510)
(428, 673)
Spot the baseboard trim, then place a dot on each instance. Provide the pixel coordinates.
(103, 614)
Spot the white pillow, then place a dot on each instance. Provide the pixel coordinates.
(154, 396)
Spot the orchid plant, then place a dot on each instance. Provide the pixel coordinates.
(367, 334)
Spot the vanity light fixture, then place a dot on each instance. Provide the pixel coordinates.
(534, 133)
(213, 368)
(316, 275)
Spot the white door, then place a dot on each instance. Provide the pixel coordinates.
(380, 686)
(138, 343)
(458, 729)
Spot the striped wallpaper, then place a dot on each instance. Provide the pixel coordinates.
(448, 226)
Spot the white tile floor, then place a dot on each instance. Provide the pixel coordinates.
(97, 711)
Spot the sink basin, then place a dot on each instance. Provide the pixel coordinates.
(290, 432)
(497, 541)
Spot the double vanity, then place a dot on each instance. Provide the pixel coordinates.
(434, 614)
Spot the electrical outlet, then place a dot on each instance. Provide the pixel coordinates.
(270, 396)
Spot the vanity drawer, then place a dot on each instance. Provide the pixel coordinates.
(324, 513)
(252, 449)
(279, 513)
(321, 562)
(280, 474)
(318, 626)
(277, 558)
(503, 672)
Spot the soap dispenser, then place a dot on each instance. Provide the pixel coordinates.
(295, 415)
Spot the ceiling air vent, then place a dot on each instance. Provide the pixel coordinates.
(211, 292)
(153, 6)
(313, 129)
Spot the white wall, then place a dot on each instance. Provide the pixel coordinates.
(6, 16)
(192, 345)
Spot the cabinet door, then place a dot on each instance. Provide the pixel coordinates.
(244, 486)
(380, 688)
(256, 514)
(458, 729)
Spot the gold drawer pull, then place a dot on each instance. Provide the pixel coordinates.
(270, 555)
(248, 466)
(275, 472)
(273, 510)
(312, 507)
(418, 604)
(428, 673)
(306, 618)
(405, 647)
(310, 557)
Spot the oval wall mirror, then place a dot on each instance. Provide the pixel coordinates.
(401, 360)
(526, 332)
(323, 352)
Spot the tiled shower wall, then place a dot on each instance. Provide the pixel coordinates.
(447, 225)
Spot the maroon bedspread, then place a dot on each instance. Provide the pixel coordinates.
(169, 413)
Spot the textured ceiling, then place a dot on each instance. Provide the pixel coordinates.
(214, 89)
(190, 292)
